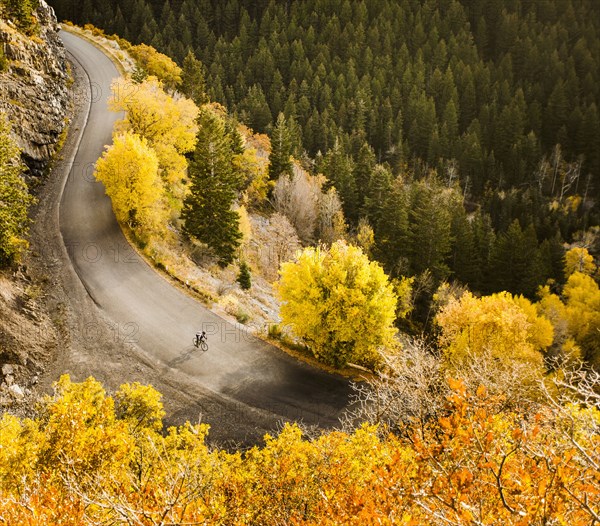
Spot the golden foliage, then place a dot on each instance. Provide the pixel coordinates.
(582, 300)
(340, 303)
(507, 326)
(156, 64)
(253, 171)
(578, 259)
(245, 226)
(129, 171)
(83, 462)
(167, 123)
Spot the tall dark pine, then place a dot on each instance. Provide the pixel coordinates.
(515, 262)
(280, 161)
(193, 84)
(244, 277)
(207, 212)
(375, 194)
(363, 169)
(338, 168)
(392, 232)
(429, 230)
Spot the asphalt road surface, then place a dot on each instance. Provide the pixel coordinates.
(149, 312)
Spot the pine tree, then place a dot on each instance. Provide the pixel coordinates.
(515, 261)
(192, 79)
(118, 24)
(449, 131)
(552, 259)
(280, 161)
(337, 167)
(363, 168)
(377, 191)
(391, 233)
(556, 114)
(423, 125)
(207, 212)
(590, 134)
(468, 100)
(464, 261)
(483, 239)
(255, 109)
(244, 278)
(429, 229)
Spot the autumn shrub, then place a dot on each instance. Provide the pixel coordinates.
(242, 316)
(340, 304)
(274, 331)
(89, 458)
(22, 13)
(14, 198)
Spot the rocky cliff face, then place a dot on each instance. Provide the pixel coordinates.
(34, 87)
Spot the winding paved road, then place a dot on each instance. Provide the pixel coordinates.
(153, 314)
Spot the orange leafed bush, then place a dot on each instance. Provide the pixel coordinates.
(83, 461)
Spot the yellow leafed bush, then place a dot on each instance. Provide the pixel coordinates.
(129, 171)
(339, 303)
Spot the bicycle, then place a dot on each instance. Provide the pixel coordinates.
(200, 343)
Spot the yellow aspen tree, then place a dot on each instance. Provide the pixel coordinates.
(339, 303)
(167, 123)
(245, 227)
(157, 64)
(582, 299)
(551, 307)
(129, 171)
(253, 168)
(578, 259)
(508, 327)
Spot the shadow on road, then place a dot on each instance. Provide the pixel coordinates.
(185, 356)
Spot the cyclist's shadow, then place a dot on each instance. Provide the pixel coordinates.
(186, 355)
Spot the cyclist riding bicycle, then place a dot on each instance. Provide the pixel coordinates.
(200, 337)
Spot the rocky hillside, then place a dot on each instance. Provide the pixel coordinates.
(28, 336)
(34, 83)
(35, 95)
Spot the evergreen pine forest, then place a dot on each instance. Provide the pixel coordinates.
(452, 252)
(497, 100)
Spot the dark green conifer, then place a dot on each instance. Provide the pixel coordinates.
(244, 277)
(207, 214)
(515, 261)
(281, 149)
(337, 166)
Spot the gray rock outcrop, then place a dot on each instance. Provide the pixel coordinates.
(34, 87)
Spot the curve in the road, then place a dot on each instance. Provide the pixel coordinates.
(155, 315)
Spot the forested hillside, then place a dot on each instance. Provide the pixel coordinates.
(496, 102)
(495, 85)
